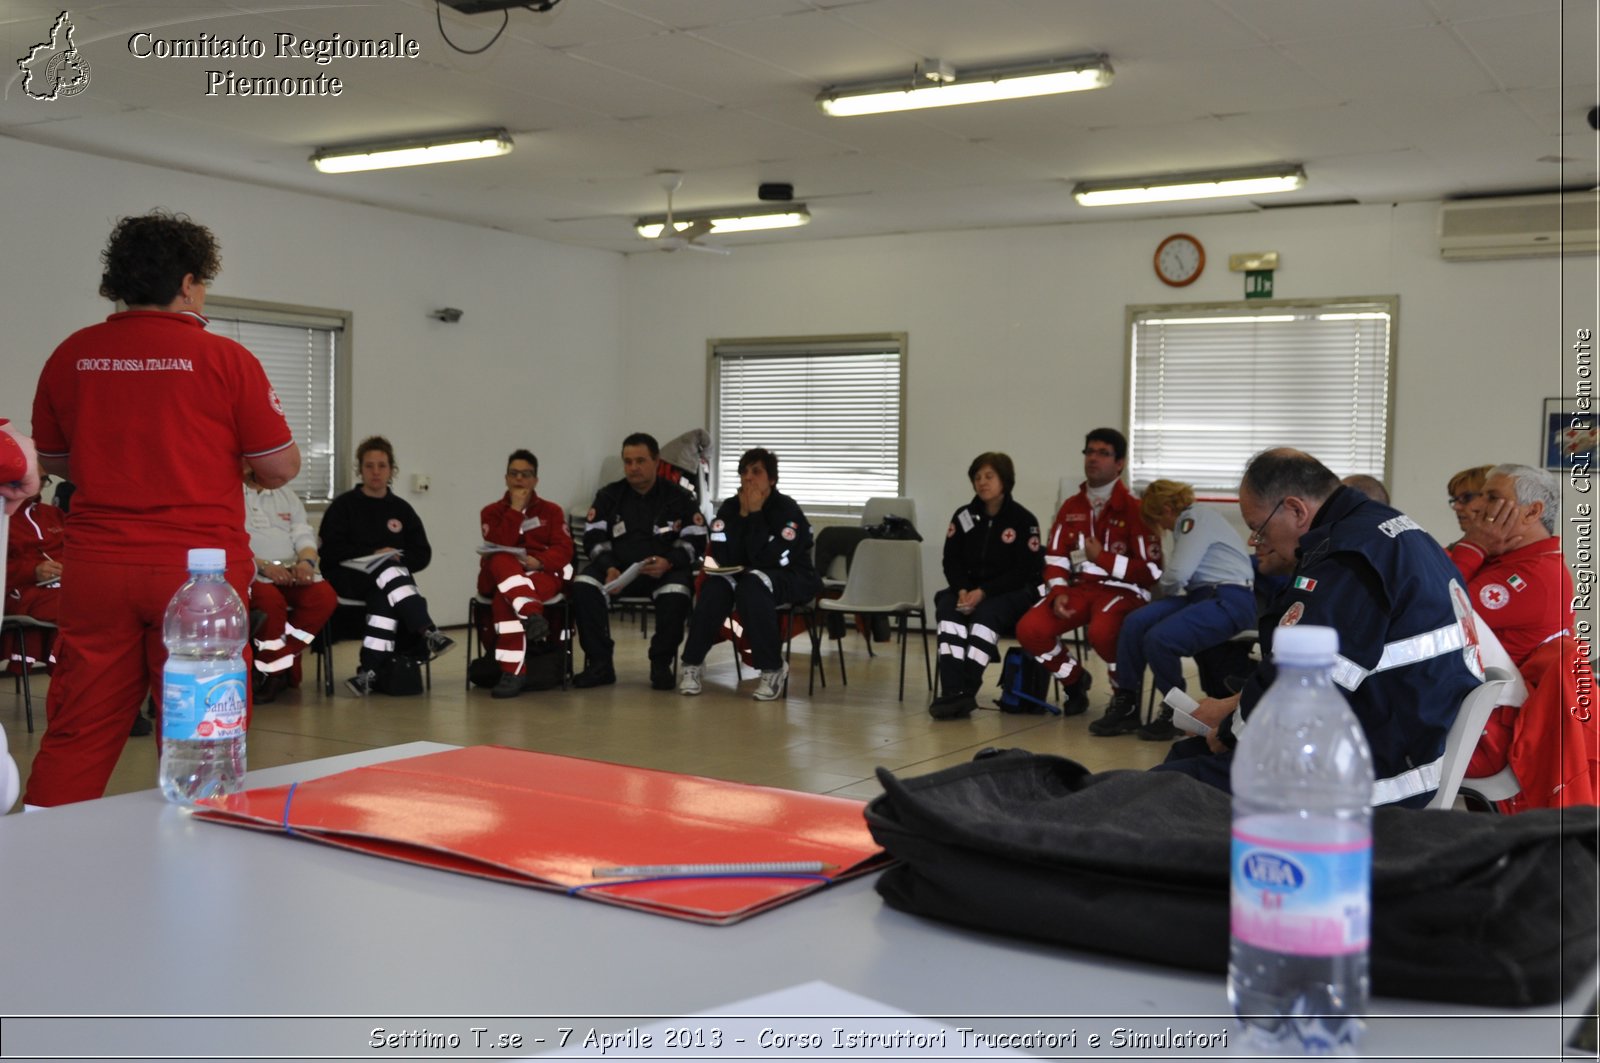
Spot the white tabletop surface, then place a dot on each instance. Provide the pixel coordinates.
(128, 907)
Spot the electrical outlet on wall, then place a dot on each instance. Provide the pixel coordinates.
(419, 483)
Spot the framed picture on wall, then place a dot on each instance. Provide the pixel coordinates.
(1568, 435)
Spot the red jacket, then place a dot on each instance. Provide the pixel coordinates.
(540, 528)
(36, 531)
(1551, 741)
(1525, 596)
(1135, 563)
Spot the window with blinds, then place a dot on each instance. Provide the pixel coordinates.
(831, 409)
(1211, 385)
(301, 351)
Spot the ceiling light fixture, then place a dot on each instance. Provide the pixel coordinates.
(1258, 181)
(416, 151)
(935, 84)
(730, 220)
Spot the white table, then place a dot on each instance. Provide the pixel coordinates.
(128, 907)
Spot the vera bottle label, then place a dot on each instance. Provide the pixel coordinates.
(1301, 898)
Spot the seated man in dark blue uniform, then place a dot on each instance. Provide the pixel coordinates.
(1406, 660)
(640, 519)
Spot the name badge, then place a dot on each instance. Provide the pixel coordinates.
(619, 529)
(530, 524)
(965, 520)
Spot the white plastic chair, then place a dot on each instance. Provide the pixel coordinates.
(1500, 687)
(885, 577)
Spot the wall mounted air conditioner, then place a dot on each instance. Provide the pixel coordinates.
(1520, 226)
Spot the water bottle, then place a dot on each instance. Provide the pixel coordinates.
(1301, 865)
(205, 685)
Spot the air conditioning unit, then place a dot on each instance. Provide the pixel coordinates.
(1520, 226)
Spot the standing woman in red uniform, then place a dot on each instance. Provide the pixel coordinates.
(149, 414)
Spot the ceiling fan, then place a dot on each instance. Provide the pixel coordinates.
(677, 235)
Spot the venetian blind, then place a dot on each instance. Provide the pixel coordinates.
(831, 410)
(299, 353)
(1212, 386)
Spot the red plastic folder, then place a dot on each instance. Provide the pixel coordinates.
(547, 821)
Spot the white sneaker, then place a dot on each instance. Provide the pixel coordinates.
(689, 676)
(771, 686)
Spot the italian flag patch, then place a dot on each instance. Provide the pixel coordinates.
(1516, 582)
(1301, 583)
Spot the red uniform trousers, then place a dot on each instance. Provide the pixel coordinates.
(517, 594)
(109, 656)
(1098, 605)
(41, 603)
(277, 640)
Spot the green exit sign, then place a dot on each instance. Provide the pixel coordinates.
(1258, 284)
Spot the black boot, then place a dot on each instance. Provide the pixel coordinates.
(1160, 729)
(1121, 717)
(1075, 698)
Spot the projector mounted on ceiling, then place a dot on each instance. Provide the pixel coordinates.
(478, 7)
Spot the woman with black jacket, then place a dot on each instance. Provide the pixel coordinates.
(992, 561)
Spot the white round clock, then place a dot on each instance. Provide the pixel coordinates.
(1180, 259)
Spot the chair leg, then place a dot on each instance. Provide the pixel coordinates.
(927, 663)
(904, 621)
(27, 694)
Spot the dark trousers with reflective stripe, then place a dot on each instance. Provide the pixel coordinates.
(397, 613)
(591, 610)
(968, 642)
(756, 595)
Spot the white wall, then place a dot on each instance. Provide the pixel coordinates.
(1016, 336)
(541, 324)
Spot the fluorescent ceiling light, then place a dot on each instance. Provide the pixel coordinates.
(1253, 182)
(975, 86)
(730, 220)
(481, 144)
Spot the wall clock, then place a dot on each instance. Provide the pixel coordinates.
(1180, 259)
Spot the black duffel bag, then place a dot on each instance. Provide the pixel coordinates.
(1466, 907)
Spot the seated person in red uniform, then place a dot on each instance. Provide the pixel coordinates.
(19, 467)
(33, 570)
(1100, 562)
(532, 568)
(290, 594)
(367, 521)
(1520, 585)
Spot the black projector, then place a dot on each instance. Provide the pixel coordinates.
(478, 7)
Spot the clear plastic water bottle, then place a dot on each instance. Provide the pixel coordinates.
(205, 686)
(1302, 858)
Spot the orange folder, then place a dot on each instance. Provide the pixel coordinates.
(547, 821)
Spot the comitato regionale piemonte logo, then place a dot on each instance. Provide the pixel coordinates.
(54, 68)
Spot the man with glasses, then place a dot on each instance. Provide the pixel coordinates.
(1406, 654)
(527, 557)
(1099, 565)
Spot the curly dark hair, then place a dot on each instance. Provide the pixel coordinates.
(378, 443)
(148, 256)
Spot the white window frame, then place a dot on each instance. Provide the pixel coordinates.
(313, 385)
(835, 448)
(1210, 384)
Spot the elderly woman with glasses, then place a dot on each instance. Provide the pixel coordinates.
(527, 557)
(1467, 499)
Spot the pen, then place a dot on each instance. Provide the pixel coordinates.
(771, 867)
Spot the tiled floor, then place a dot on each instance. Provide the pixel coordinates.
(828, 742)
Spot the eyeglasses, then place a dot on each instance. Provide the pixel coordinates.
(522, 474)
(1256, 535)
(1464, 498)
(1099, 452)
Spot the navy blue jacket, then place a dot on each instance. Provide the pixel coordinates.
(1376, 576)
